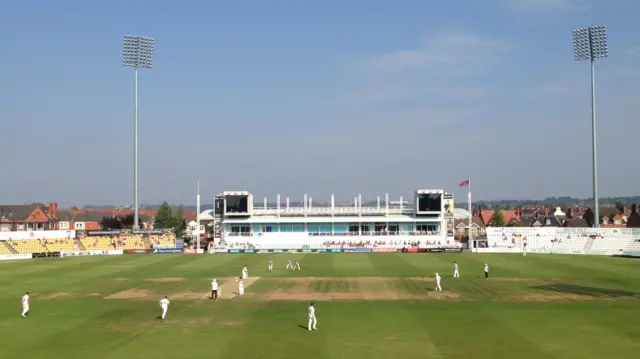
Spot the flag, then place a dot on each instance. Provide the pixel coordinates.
(465, 183)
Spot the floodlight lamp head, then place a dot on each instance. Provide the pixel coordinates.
(590, 43)
(138, 51)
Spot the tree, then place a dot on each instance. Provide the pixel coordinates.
(515, 223)
(497, 219)
(126, 221)
(179, 222)
(164, 218)
(110, 222)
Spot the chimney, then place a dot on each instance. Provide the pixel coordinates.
(625, 209)
(537, 214)
(569, 212)
(50, 210)
(546, 211)
(634, 208)
(55, 209)
(74, 209)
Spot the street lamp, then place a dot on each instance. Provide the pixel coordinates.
(137, 52)
(589, 44)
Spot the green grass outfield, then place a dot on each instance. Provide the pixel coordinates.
(368, 306)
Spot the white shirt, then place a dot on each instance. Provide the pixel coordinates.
(214, 285)
(486, 268)
(25, 299)
(312, 311)
(240, 282)
(164, 303)
(455, 266)
(438, 278)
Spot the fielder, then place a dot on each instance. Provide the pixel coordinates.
(289, 265)
(164, 304)
(438, 287)
(297, 266)
(270, 265)
(486, 271)
(245, 272)
(456, 274)
(312, 318)
(240, 286)
(214, 289)
(25, 305)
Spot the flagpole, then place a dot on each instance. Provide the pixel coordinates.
(470, 213)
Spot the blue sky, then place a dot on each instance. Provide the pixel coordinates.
(295, 97)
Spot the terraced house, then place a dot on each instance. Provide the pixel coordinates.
(28, 217)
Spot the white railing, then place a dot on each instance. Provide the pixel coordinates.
(327, 211)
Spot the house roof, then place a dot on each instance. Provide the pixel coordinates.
(509, 216)
(16, 213)
(547, 221)
(465, 222)
(608, 211)
(576, 222)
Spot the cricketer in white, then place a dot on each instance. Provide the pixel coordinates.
(25, 305)
(245, 272)
(240, 286)
(438, 287)
(456, 274)
(312, 318)
(164, 304)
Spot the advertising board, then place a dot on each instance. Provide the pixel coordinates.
(168, 250)
(385, 250)
(10, 257)
(46, 255)
(138, 251)
(37, 235)
(357, 250)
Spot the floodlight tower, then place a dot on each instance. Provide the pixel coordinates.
(137, 53)
(590, 44)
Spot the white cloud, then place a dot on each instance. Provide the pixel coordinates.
(448, 54)
(543, 5)
(393, 92)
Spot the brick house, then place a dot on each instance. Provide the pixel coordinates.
(633, 221)
(511, 217)
(30, 217)
(478, 229)
(610, 217)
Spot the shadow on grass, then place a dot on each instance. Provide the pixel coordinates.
(303, 327)
(585, 291)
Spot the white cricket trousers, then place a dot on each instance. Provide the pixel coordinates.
(241, 290)
(25, 309)
(312, 323)
(438, 288)
(456, 274)
(164, 313)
